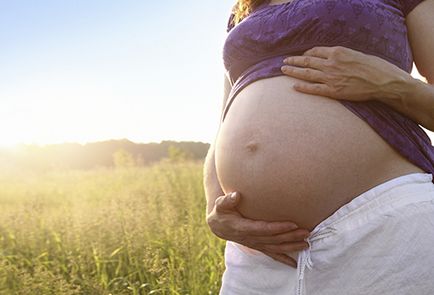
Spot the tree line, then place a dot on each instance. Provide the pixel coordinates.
(110, 153)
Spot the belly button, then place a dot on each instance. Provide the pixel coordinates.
(252, 146)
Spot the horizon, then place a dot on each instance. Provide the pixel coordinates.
(85, 71)
(18, 145)
(97, 70)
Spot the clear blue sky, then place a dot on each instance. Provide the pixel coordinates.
(87, 70)
(90, 70)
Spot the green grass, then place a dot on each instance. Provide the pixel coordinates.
(108, 231)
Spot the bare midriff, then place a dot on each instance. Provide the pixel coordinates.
(299, 157)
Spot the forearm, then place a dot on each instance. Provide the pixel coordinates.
(413, 98)
(210, 181)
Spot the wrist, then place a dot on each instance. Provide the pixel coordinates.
(214, 225)
(399, 90)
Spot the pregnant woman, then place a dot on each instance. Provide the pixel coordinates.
(329, 139)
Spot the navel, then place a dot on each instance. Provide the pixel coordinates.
(252, 146)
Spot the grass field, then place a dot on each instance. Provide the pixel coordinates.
(108, 231)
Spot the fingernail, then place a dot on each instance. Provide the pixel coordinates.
(292, 226)
(289, 60)
(285, 60)
(233, 196)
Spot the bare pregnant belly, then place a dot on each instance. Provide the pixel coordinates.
(298, 157)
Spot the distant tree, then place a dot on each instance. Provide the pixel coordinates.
(123, 159)
(119, 153)
(176, 154)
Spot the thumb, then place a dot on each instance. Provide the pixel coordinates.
(227, 202)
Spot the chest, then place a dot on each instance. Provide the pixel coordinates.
(372, 26)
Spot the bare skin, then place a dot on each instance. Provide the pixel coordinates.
(233, 226)
(299, 157)
(274, 239)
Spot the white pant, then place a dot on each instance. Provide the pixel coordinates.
(382, 242)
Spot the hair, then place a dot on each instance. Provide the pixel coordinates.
(242, 9)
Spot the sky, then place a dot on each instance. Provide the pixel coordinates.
(90, 70)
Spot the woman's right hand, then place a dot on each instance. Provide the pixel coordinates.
(274, 239)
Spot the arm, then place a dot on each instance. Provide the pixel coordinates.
(210, 181)
(415, 98)
(342, 73)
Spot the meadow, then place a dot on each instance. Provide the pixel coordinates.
(137, 230)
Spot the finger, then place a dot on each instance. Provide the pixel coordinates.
(298, 235)
(248, 227)
(320, 51)
(227, 202)
(305, 62)
(306, 74)
(286, 247)
(285, 259)
(314, 89)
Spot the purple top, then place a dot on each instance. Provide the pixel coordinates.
(255, 48)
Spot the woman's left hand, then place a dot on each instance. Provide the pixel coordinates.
(342, 73)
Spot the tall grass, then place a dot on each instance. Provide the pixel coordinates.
(123, 231)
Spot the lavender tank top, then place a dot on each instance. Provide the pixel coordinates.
(255, 48)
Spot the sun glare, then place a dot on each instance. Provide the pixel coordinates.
(11, 136)
(80, 115)
(416, 74)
